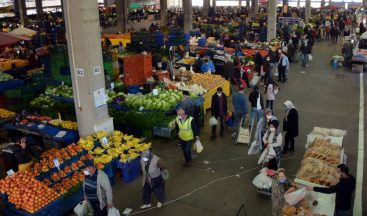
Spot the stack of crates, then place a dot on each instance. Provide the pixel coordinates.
(60, 64)
(177, 37)
(107, 63)
(29, 92)
(152, 41)
(13, 99)
(137, 68)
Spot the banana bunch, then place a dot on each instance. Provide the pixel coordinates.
(143, 147)
(100, 134)
(113, 152)
(64, 124)
(98, 150)
(116, 138)
(126, 158)
(6, 113)
(128, 138)
(102, 159)
(86, 143)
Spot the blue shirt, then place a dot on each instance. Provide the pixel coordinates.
(239, 101)
(285, 61)
(90, 183)
(207, 66)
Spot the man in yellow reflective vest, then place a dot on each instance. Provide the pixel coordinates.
(187, 132)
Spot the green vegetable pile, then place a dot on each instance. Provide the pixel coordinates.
(61, 91)
(5, 77)
(164, 101)
(43, 101)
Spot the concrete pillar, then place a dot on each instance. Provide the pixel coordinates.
(240, 3)
(298, 3)
(308, 11)
(254, 7)
(248, 4)
(206, 7)
(22, 8)
(272, 20)
(39, 9)
(285, 6)
(86, 65)
(188, 15)
(163, 8)
(122, 15)
(322, 3)
(105, 3)
(214, 3)
(364, 4)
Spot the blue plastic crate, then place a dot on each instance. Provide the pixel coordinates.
(162, 132)
(130, 171)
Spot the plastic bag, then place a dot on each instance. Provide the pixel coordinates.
(113, 212)
(165, 174)
(198, 146)
(267, 154)
(262, 181)
(254, 148)
(295, 197)
(81, 209)
(213, 121)
(309, 57)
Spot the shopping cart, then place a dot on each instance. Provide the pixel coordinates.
(244, 132)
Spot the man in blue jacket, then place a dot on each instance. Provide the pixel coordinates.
(207, 66)
(239, 100)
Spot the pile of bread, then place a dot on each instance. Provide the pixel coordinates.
(319, 163)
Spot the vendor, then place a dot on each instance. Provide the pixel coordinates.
(207, 66)
(347, 52)
(280, 184)
(20, 149)
(344, 191)
(273, 139)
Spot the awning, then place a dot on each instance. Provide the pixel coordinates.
(8, 39)
(23, 31)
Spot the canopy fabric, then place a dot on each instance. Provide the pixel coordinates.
(23, 31)
(8, 39)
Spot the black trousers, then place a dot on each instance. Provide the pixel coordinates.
(289, 142)
(96, 209)
(282, 70)
(157, 186)
(222, 121)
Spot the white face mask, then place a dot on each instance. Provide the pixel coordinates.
(272, 129)
(86, 172)
(219, 94)
(145, 159)
(268, 117)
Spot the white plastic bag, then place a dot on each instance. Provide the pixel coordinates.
(267, 154)
(309, 57)
(113, 212)
(295, 197)
(254, 148)
(262, 181)
(213, 121)
(81, 209)
(198, 146)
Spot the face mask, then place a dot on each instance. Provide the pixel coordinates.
(272, 129)
(86, 172)
(268, 117)
(179, 117)
(219, 94)
(286, 109)
(145, 159)
(282, 180)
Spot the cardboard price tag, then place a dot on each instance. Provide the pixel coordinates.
(104, 141)
(56, 163)
(155, 92)
(10, 172)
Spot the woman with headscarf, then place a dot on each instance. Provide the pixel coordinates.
(290, 126)
(273, 139)
(262, 126)
(280, 184)
(152, 165)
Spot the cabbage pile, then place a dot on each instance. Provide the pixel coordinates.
(61, 91)
(164, 101)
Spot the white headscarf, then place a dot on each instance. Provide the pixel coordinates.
(289, 105)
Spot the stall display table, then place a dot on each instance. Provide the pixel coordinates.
(11, 84)
(251, 52)
(55, 133)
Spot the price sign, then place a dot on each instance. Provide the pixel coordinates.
(155, 92)
(104, 141)
(56, 163)
(112, 85)
(141, 108)
(97, 70)
(79, 72)
(10, 172)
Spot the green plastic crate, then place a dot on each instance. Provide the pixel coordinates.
(13, 93)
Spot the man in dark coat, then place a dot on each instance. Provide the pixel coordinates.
(290, 126)
(219, 111)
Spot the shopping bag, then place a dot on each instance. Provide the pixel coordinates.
(165, 174)
(213, 121)
(276, 71)
(262, 181)
(295, 197)
(113, 212)
(81, 209)
(198, 146)
(266, 155)
(254, 148)
(276, 90)
(309, 57)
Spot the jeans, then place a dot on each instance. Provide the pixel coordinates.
(342, 213)
(255, 114)
(304, 59)
(186, 149)
(288, 140)
(157, 186)
(269, 104)
(222, 121)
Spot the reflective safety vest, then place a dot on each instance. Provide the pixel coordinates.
(185, 131)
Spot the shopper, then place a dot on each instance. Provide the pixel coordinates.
(97, 189)
(239, 100)
(305, 51)
(121, 48)
(280, 184)
(290, 126)
(207, 66)
(273, 139)
(283, 66)
(257, 105)
(219, 111)
(271, 89)
(187, 131)
(151, 166)
(344, 191)
(262, 126)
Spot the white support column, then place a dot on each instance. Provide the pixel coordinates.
(272, 20)
(22, 8)
(365, 4)
(285, 6)
(254, 7)
(248, 4)
(214, 4)
(163, 8)
(308, 11)
(86, 65)
(188, 15)
(206, 7)
(122, 15)
(39, 9)
(298, 3)
(240, 3)
(322, 3)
